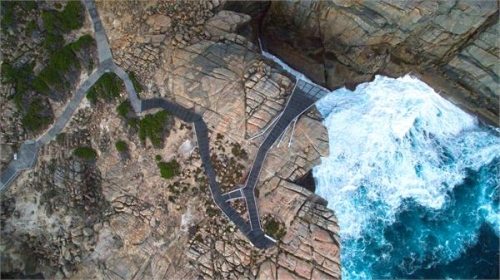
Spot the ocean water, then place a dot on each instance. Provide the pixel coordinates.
(414, 182)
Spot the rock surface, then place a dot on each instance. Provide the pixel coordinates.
(116, 217)
(451, 45)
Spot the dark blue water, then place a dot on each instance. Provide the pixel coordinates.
(425, 244)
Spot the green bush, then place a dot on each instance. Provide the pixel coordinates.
(238, 151)
(158, 157)
(30, 27)
(124, 108)
(53, 42)
(20, 77)
(169, 169)
(86, 153)
(152, 127)
(8, 8)
(137, 86)
(274, 228)
(83, 42)
(121, 146)
(108, 87)
(33, 119)
(71, 18)
(61, 137)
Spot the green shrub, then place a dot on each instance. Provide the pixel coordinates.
(83, 42)
(30, 27)
(158, 157)
(169, 169)
(152, 127)
(239, 152)
(71, 18)
(108, 87)
(53, 42)
(137, 86)
(61, 137)
(274, 228)
(121, 146)
(86, 153)
(8, 8)
(124, 108)
(133, 123)
(33, 119)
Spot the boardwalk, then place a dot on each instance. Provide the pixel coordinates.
(302, 98)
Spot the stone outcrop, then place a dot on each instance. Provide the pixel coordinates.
(451, 45)
(134, 224)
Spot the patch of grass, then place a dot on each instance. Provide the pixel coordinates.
(169, 169)
(86, 153)
(152, 126)
(121, 146)
(108, 87)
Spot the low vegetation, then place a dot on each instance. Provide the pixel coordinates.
(137, 86)
(152, 127)
(30, 90)
(108, 87)
(86, 153)
(61, 62)
(13, 11)
(121, 146)
(274, 228)
(169, 169)
(124, 108)
(35, 118)
(239, 152)
(70, 18)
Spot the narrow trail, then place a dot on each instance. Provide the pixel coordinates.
(302, 98)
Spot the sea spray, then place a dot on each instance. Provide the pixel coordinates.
(398, 150)
(413, 181)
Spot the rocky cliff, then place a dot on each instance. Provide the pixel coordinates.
(451, 45)
(117, 217)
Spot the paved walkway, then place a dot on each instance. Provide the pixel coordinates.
(302, 98)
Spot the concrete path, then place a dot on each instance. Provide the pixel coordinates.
(302, 98)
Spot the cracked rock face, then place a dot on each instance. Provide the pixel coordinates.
(133, 224)
(452, 45)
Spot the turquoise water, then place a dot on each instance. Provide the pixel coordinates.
(413, 181)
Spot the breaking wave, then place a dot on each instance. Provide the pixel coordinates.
(413, 181)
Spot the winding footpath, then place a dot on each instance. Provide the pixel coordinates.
(302, 98)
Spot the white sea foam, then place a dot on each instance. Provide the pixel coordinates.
(396, 139)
